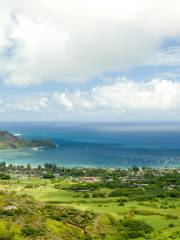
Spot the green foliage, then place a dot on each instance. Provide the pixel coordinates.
(89, 210)
(31, 231)
(70, 215)
(48, 176)
(4, 176)
(86, 195)
(135, 228)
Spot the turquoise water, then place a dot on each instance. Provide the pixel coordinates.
(98, 144)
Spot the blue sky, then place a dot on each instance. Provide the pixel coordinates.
(90, 61)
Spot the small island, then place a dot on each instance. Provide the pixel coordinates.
(9, 140)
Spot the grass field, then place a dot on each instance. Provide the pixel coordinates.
(164, 220)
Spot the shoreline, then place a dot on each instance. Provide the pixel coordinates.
(34, 166)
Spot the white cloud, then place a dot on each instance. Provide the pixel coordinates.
(121, 99)
(27, 104)
(124, 96)
(76, 40)
(63, 100)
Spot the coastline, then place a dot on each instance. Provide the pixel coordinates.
(97, 144)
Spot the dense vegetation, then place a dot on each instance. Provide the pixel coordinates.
(21, 217)
(50, 202)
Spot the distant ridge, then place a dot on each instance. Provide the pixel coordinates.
(9, 140)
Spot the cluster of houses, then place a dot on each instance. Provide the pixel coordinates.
(86, 179)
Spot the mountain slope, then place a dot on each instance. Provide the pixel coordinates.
(8, 140)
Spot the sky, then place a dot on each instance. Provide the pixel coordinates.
(98, 60)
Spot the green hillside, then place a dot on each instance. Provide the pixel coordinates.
(8, 140)
(21, 217)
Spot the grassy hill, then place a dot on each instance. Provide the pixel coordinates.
(66, 207)
(21, 217)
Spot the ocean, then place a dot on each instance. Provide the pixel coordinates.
(150, 144)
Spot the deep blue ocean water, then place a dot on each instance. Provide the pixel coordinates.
(98, 144)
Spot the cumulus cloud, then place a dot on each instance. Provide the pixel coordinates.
(76, 40)
(122, 98)
(26, 104)
(124, 95)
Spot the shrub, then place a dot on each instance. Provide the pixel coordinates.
(174, 194)
(171, 225)
(70, 215)
(4, 176)
(135, 228)
(171, 217)
(94, 195)
(120, 204)
(31, 231)
(48, 176)
(86, 195)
